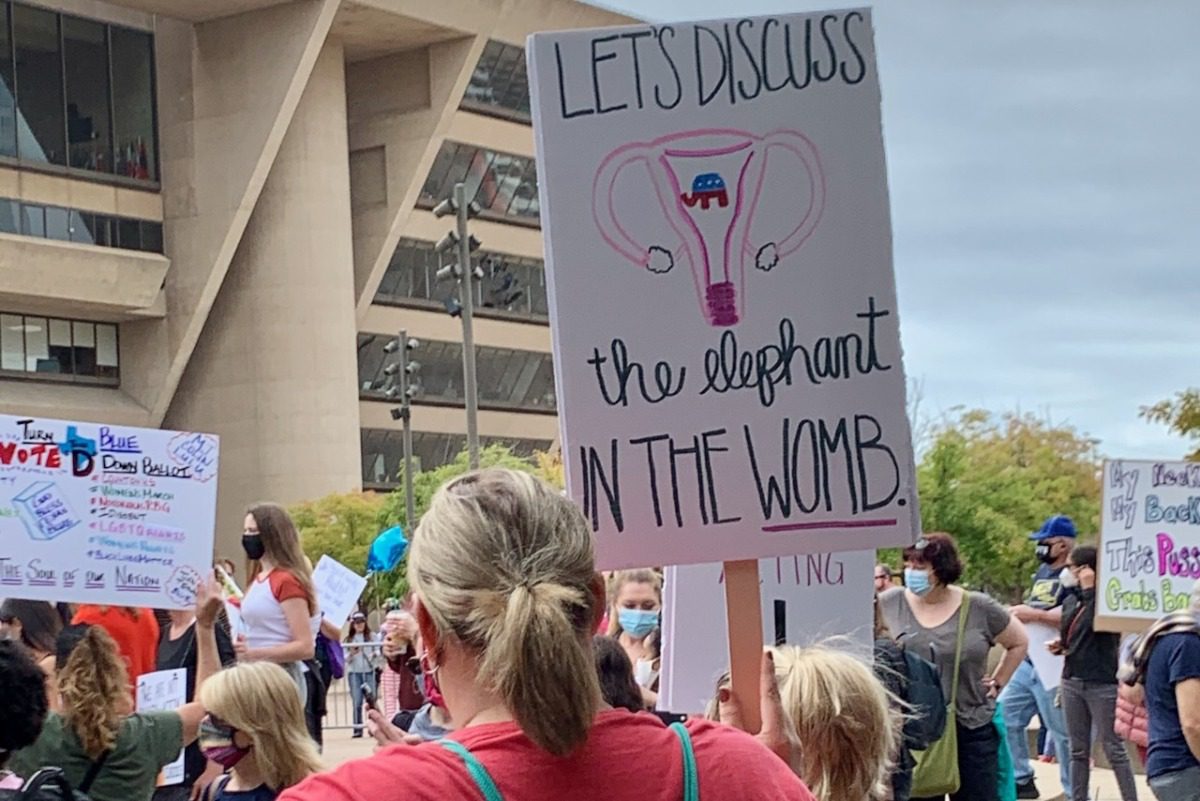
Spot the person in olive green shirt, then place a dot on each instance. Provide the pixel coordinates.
(97, 725)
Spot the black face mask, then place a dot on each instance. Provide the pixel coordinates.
(253, 546)
(1045, 553)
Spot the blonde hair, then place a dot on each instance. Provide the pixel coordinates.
(94, 686)
(619, 579)
(504, 565)
(259, 699)
(844, 725)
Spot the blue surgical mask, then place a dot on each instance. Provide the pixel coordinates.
(638, 623)
(917, 580)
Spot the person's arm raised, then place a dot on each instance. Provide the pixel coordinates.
(208, 659)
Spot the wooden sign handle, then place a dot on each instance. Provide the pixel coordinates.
(743, 614)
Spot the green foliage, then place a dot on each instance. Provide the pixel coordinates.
(990, 480)
(1181, 415)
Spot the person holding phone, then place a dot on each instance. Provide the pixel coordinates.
(360, 666)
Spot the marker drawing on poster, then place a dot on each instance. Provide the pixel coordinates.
(805, 599)
(105, 514)
(338, 589)
(718, 254)
(163, 691)
(1149, 557)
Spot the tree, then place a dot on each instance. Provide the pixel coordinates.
(989, 481)
(1181, 415)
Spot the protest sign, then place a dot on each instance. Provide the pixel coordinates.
(338, 588)
(105, 514)
(718, 255)
(164, 690)
(1149, 557)
(804, 599)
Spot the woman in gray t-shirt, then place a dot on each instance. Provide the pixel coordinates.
(924, 616)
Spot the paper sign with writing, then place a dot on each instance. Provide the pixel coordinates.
(805, 599)
(1149, 543)
(104, 514)
(338, 588)
(164, 690)
(718, 254)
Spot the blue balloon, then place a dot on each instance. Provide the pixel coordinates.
(387, 550)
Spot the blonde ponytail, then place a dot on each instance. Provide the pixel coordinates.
(504, 564)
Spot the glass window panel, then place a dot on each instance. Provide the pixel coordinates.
(129, 234)
(10, 216)
(152, 236)
(500, 82)
(12, 342)
(464, 157)
(432, 190)
(58, 224)
(60, 333)
(133, 103)
(106, 345)
(102, 230)
(33, 220)
(84, 349)
(8, 99)
(37, 347)
(41, 132)
(81, 223)
(89, 137)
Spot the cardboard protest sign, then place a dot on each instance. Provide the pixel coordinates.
(718, 254)
(804, 599)
(105, 514)
(338, 588)
(1149, 556)
(164, 690)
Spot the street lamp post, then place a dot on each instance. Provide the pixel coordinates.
(402, 384)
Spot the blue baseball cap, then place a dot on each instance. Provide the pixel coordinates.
(1057, 526)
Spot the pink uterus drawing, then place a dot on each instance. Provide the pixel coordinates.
(708, 184)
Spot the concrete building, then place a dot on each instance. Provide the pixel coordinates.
(214, 213)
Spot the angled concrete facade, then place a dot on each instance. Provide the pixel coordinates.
(283, 232)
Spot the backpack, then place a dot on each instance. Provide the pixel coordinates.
(50, 784)
(926, 721)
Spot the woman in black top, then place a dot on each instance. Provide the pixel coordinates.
(177, 650)
(1089, 686)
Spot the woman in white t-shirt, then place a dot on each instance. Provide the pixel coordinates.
(279, 612)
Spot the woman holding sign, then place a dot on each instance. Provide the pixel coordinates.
(105, 751)
(507, 597)
(955, 629)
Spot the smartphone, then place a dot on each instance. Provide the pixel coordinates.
(369, 697)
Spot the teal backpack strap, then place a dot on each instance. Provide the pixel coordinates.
(479, 774)
(691, 779)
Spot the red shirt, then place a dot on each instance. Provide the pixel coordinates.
(136, 637)
(627, 757)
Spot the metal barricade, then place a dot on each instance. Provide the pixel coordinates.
(339, 702)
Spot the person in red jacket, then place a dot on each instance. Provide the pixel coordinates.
(134, 630)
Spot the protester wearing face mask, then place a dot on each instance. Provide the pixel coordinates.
(636, 608)
(255, 729)
(1089, 678)
(1026, 696)
(924, 615)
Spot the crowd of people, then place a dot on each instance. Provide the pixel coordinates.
(516, 671)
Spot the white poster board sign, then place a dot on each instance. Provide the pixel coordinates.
(104, 514)
(1049, 666)
(338, 589)
(1150, 542)
(164, 690)
(719, 263)
(805, 599)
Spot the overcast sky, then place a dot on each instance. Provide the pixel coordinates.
(1045, 188)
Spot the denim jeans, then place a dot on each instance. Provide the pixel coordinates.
(1182, 785)
(357, 682)
(1023, 698)
(1091, 707)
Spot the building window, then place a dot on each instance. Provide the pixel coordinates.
(508, 379)
(500, 85)
(505, 186)
(383, 452)
(76, 93)
(512, 287)
(58, 350)
(84, 227)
